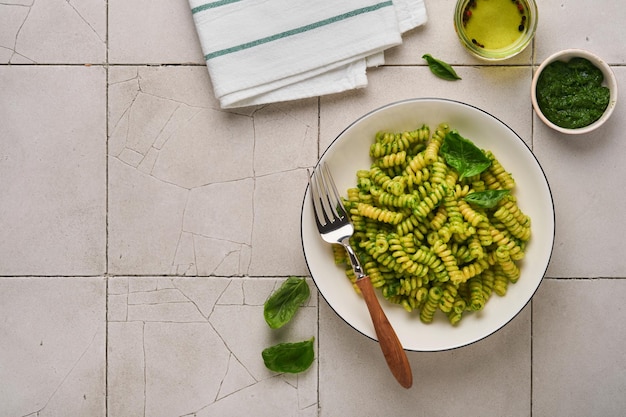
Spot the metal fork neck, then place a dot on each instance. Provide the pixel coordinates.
(354, 261)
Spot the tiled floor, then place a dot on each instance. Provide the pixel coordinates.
(143, 228)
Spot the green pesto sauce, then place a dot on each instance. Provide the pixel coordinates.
(570, 94)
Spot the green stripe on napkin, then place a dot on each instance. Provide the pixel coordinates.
(212, 5)
(295, 31)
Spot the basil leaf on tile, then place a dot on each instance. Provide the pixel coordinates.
(441, 69)
(289, 357)
(283, 304)
(463, 155)
(486, 199)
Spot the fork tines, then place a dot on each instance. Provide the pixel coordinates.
(327, 203)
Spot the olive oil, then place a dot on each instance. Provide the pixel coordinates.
(495, 24)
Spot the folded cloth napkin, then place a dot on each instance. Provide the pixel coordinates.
(264, 51)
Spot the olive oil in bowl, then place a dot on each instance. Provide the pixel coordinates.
(495, 29)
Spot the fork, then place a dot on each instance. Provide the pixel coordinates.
(335, 226)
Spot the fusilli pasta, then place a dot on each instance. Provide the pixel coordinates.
(423, 246)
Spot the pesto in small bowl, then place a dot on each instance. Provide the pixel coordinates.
(570, 94)
(574, 91)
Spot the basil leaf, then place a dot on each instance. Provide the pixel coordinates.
(441, 69)
(285, 301)
(486, 199)
(289, 357)
(463, 155)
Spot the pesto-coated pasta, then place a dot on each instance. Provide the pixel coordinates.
(423, 245)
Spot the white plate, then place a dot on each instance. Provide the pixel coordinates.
(350, 152)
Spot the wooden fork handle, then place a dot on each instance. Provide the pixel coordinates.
(389, 343)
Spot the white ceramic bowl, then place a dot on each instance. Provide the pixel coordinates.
(609, 81)
(349, 152)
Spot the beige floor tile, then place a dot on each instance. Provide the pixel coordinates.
(152, 31)
(53, 170)
(52, 346)
(213, 181)
(578, 363)
(569, 25)
(54, 31)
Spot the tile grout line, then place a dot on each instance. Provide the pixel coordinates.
(106, 216)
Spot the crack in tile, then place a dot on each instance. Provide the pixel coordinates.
(190, 271)
(241, 269)
(284, 171)
(145, 159)
(121, 118)
(275, 286)
(124, 113)
(226, 373)
(66, 376)
(217, 299)
(13, 49)
(309, 406)
(194, 234)
(189, 299)
(132, 110)
(186, 121)
(174, 301)
(136, 77)
(164, 181)
(236, 377)
(146, 364)
(158, 303)
(162, 97)
(224, 259)
(181, 235)
(69, 3)
(228, 181)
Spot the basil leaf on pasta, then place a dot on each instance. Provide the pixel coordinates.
(486, 199)
(463, 155)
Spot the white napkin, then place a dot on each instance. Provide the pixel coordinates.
(264, 51)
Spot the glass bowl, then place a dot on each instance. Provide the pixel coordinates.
(495, 29)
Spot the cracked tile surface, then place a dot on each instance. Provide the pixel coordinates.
(143, 228)
(214, 180)
(172, 343)
(52, 31)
